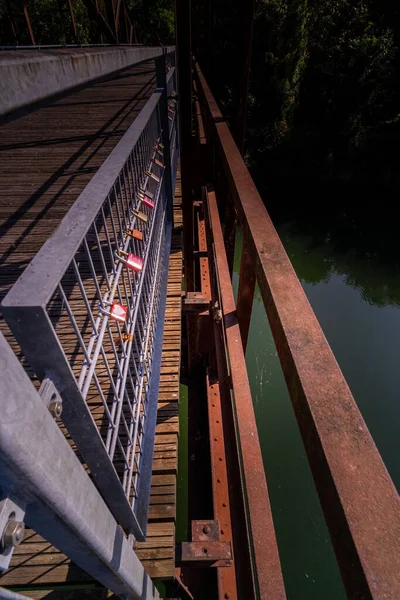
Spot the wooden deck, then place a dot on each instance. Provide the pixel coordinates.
(44, 167)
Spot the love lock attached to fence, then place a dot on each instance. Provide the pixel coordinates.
(117, 311)
(130, 260)
(152, 176)
(139, 215)
(156, 162)
(135, 234)
(146, 198)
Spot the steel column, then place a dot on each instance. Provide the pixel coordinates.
(63, 505)
(28, 22)
(247, 284)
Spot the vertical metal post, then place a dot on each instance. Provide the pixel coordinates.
(71, 12)
(247, 283)
(183, 44)
(244, 43)
(162, 87)
(117, 19)
(28, 22)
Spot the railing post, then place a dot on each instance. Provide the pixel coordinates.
(161, 80)
(247, 283)
(183, 44)
(63, 505)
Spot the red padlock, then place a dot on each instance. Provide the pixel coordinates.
(147, 201)
(131, 261)
(134, 262)
(118, 312)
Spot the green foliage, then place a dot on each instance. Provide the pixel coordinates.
(154, 20)
(323, 78)
(51, 21)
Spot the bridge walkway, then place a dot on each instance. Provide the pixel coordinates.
(48, 156)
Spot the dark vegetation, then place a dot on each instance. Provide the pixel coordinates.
(153, 22)
(323, 126)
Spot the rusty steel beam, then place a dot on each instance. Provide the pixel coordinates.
(71, 12)
(247, 284)
(209, 552)
(261, 533)
(359, 500)
(230, 222)
(222, 511)
(28, 23)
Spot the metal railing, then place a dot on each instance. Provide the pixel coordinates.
(88, 311)
(357, 495)
(44, 485)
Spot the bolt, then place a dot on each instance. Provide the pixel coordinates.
(206, 529)
(55, 408)
(13, 533)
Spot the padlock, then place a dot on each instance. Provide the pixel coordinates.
(124, 337)
(139, 215)
(135, 234)
(131, 261)
(157, 162)
(146, 197)
(147, 201)
(160, 145)
(160, 152)
(142, 191)
(117, 311)
(152, 175)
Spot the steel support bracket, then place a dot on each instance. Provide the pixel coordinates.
(204, 554)
(10, 511)
(205, 531)
(195, 302)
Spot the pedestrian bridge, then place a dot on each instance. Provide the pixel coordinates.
(122, 193)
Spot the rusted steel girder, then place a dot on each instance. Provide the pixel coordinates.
(222, 512)
(267, 571)
(359, 500)
(247, 284)
(28, 23)
(71, 12)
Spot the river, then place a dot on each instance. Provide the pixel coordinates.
(355, 297)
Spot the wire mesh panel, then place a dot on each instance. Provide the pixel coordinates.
(86, 313)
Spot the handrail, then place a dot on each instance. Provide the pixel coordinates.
(359, 500)
(61, 313)
(42, 473)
